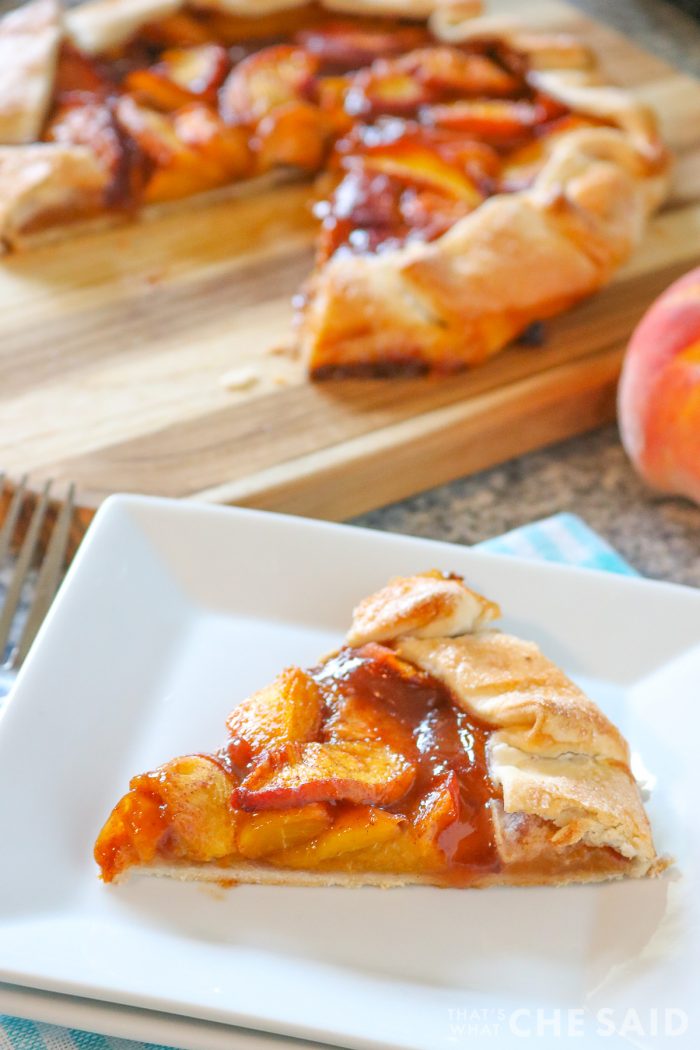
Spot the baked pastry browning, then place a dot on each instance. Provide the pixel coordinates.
(472, 176)
(430, 749)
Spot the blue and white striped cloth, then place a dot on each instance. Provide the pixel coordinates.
(563, 538)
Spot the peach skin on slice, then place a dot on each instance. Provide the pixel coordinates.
(286, 712)
(294, 134)
(449, 69)
(384, 660)
(182, 75)
(359, 771)
(360, 717)
(78, 72)
(494, 120)
(185, 803)
(265, 80)
(357, 829)
(259, 834)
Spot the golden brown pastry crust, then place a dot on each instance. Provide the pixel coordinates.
(422, 606)
(29, 41)
(48, 226)
(589, 799)
(99, 25)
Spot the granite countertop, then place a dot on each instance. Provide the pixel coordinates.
(589, 475)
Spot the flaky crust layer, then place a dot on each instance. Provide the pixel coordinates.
(458, 300)
(439, 306)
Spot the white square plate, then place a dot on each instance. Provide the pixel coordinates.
(174, 612)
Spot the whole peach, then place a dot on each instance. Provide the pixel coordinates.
(659, 395)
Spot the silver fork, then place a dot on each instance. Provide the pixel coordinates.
(20, 620)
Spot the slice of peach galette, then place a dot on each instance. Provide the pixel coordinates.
(431, 748)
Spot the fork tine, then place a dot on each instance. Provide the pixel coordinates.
(9, 525)
(48, 580)
(22, 567)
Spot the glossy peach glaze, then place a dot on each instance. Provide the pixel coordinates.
(364, 764)
(414, 714)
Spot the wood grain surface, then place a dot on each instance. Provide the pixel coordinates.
(157, 358)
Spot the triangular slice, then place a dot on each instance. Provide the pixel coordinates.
(431, 748)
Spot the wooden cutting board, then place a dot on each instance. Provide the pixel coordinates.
(115, 347)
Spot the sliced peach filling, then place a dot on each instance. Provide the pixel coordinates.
(198, 100)
(364, 764)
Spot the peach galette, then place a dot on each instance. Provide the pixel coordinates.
(473, 177)
(431, 748)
